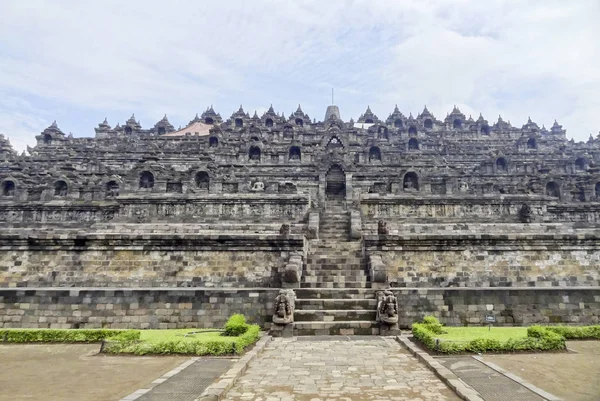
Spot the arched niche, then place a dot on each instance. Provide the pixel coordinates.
(269, 122)
(61, 188)
(410, 181)
(580, 164)
(369, 121)
(335, 179)
(531, 143)
(428, 123)
(382, 133)
(299, 122)
(413, 144)
(47, 139)
(374, 154)
(553, 189)
(111, 189)
(239, 123)
(8, 188)
(597, 190)
(295, 153)
(412, 130)
(485, 130)
(128, 130)
(254, 153)
(202, 180)
(209, 120)
(457, 123)
(161, 131)
(398, 123)
(501, 164)
(146, 180)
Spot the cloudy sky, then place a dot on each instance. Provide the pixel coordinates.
(80, 61)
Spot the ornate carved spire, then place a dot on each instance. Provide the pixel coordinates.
(368, 117)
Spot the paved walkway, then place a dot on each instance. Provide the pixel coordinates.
(337, 369)
(184, 383)
(492, 385)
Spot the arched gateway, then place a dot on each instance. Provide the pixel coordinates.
(336, 183)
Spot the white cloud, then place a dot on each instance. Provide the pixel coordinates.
(82, 61)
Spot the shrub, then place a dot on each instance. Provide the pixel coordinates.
(576, 332)
(63, 335)
(538, 339)
(433, 324)
(236, 325)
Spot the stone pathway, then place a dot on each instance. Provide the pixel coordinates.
(185, 383)
(492, 385)
(337, 368)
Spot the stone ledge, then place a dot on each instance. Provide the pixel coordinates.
(463, 390)
(217, 390)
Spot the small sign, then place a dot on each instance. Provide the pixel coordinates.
(490, 319)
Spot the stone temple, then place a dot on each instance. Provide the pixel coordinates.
(161, 228)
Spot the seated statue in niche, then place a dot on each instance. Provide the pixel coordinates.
(409, 185)
(463, 187)
(146, 181)
(382, 228)
(387, 307)
(258, 186)
(285, 303)
(525, 214)
(284, 230)
(112, 191)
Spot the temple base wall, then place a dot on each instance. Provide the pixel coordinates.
(205, 308)
(163, 260)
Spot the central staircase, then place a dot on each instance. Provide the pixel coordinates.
(334, 297)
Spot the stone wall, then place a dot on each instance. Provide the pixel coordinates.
(202, 307)
(249, 208)
(414, 207)
(145, 260)
(511, 307)
(133, 308)
(489, 260)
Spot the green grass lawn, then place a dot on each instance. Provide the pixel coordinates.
(202, 342)
(471, 333)
(155, 336)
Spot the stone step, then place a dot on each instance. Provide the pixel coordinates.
(345, 284)
(349, 293)
(334, 273)
(336, 304)
(324, 280)
(334, 257)
(339, 315)
(334, 261)
(359, 327)
(329, 244)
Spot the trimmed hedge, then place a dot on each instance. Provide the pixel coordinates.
(538, 339)
(576, 332)
(179, 346)
(64, 335)
(236, 325)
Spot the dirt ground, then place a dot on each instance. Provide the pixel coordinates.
(571, 376)
(75, 372)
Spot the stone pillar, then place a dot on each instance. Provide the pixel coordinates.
(322, 187)
(348, 188)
